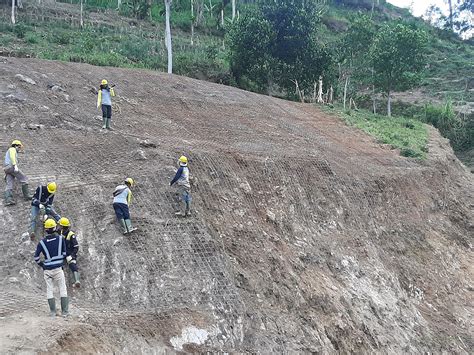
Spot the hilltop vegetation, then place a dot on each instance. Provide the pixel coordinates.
(206, 46)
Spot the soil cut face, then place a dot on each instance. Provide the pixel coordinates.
(305, 234)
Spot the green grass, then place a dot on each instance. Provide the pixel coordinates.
(410, 136)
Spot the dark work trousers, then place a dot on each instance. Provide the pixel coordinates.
(106, 111)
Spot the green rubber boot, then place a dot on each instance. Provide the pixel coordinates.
(52, 307)
(64, 306)
(26, 192)
(124, 226)
(107, 123)
(128, 223)
(77, 280)
(9, 198)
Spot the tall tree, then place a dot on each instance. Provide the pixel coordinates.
(284, 50)
(168, 35)
(398, 57)
(450, 18)
(354, 58)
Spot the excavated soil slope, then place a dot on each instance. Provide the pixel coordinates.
(306, 234)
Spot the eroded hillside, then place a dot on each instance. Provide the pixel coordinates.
(307, 235)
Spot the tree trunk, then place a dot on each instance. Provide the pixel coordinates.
(13, 12)
(233, 10)
(168, 36)
(345, 92)
(331, 95)
(119, 4)
(389, 105)
(222, 17)
(82, 10)
(451, 24)
(192, 22)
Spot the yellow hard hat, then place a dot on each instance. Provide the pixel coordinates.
(183, 159)
(63, 221)
(129, 181)
(17, 142)
(51, 187)
(104, 82)
(49, 223)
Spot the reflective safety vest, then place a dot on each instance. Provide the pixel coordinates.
(54, 251)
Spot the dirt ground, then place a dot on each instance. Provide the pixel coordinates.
(306, 235)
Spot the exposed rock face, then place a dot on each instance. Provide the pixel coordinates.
(305, 234)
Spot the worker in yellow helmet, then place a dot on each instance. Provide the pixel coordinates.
(43, 201)
(104, 101)
(53, 248)
(122, 198)
(12, 172)
(72, 247)
(184, 188)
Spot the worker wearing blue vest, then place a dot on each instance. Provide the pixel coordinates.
(72, 247)
(53, 248)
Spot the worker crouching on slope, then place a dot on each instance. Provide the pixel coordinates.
(122, 199)
(43, 200)
(104, 100)
(72, 247)
(12, 171)
(184, 188)
(53, 248)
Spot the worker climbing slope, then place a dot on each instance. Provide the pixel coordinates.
(53, 248)
(72, 247)
(104, 101)
(12, 172)
(43, 201)
(184, 188)
(122, 199)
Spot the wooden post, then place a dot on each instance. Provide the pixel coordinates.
(168, 36)
(320, 90)
(192, 22)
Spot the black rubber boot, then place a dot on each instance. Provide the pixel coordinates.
(52, 307)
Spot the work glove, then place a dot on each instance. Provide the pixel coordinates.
(41, 206)
(69, 259)
(15, 168)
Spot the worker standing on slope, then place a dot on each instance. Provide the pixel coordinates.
(122, 199)
(104, 100)
(43, 200)
(72, 247)
(184, 188)
(12, 171)
(53, 248)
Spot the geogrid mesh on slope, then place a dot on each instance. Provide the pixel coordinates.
(269, 172)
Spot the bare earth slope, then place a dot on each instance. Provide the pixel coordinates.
(306, 236)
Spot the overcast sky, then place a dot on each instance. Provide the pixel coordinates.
(419, 6)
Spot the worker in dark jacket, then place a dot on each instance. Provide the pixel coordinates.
(43, 200)
(184, 188)
(72, 247)
(53, 248)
